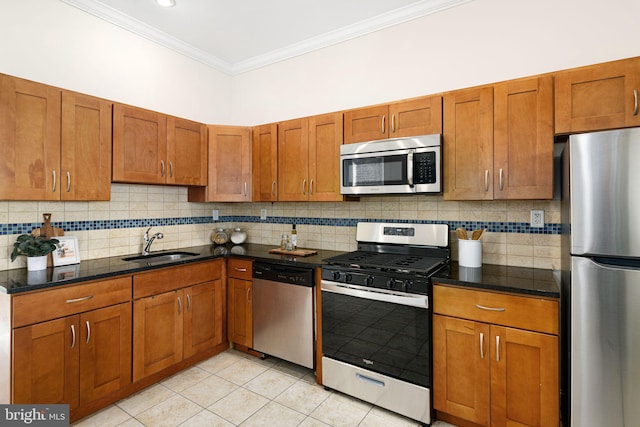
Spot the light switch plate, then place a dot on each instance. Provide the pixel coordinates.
(537, 218)
(214, 214)
(263, 214)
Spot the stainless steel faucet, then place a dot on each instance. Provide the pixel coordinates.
(147, 241)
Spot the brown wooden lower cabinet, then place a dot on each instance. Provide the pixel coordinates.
(75, 360)
(493, 375)
(240, 302)
(176, 325)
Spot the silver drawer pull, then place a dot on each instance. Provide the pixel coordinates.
(482, 307)
(370, 380)
(242, 270)
(69, 301)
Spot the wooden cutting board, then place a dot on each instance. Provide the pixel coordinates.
(296, 252)
(48, 230)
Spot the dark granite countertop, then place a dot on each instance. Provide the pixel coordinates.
(19, 280)
(528, 281)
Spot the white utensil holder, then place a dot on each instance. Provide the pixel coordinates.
(470, 253)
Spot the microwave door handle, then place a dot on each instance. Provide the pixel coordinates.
(410, 169)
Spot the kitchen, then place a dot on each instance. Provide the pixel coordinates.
(283, 97)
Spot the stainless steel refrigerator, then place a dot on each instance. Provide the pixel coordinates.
(602, 290)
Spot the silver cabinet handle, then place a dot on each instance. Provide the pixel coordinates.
(486, 180)
(635, 102)
(273, 188)
(70, 301)
(241, 270)
(188, 302)
(162, 168)
(88, 331)
(245, 189)
(384, 118)
(68, 181)
(481, 346)
(482, 307)
(179, 305)
(53, 189)
(393, 123)
(497, 348)
(73, 336)
(248, 295)
(311, 188)
(304, 185)
(501, 179)
(170, 169)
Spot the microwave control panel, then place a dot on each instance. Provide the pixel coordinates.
(424, 168)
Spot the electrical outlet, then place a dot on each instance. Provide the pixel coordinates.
(537, 218)
(214, 214)
(263, 214)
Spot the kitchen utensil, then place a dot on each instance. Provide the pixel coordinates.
(462, 233)
(477, 234)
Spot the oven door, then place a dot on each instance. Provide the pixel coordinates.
(381, 331)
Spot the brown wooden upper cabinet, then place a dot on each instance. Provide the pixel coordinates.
(152, 148)
(229, 166)
(309, 158)
(419, 116)
(498, 141)
(265, 163)
(55, 144)
(598, 97)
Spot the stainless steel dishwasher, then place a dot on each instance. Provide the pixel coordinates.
(283, 312)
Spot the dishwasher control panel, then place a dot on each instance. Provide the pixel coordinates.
(292, 275)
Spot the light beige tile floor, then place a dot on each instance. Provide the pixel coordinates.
(235, 389)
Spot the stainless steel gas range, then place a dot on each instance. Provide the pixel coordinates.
(376, 316)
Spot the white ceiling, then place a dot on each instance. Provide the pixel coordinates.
(236, 36)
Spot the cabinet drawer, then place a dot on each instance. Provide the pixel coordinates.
(534, 314)
(51, 304)
(168, 279)
(239, 268)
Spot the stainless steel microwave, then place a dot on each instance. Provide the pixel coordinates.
(392, 166)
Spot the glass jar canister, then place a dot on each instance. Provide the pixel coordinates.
(238, 236)
(220, 237)
(284, 241)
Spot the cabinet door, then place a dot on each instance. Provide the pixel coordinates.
(229, 164)
(240, 306)
(461, 368)
(325, 139)
(86, 148)
(45, 362)
(293, 160)
(422, 116)
(265, 163)
(598, 97)
(366, 124)
(139, 145)
(157, 333)
(105, 351)
(203, 317)
(524, 378)
(523, 139)
(29, 140)
(186, 152)
(468, 144)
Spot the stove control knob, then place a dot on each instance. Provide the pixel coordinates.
(391, 283)
(368, 281)
(336, 275)
(348, 277)
(407, 285)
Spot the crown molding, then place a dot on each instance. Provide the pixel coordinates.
(394, 17)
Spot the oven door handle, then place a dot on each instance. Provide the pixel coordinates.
(413, 300)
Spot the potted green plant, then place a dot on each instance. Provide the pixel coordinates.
(35, 248)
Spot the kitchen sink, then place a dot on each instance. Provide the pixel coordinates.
(160, 257)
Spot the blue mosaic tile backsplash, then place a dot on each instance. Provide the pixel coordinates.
(497, 227)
